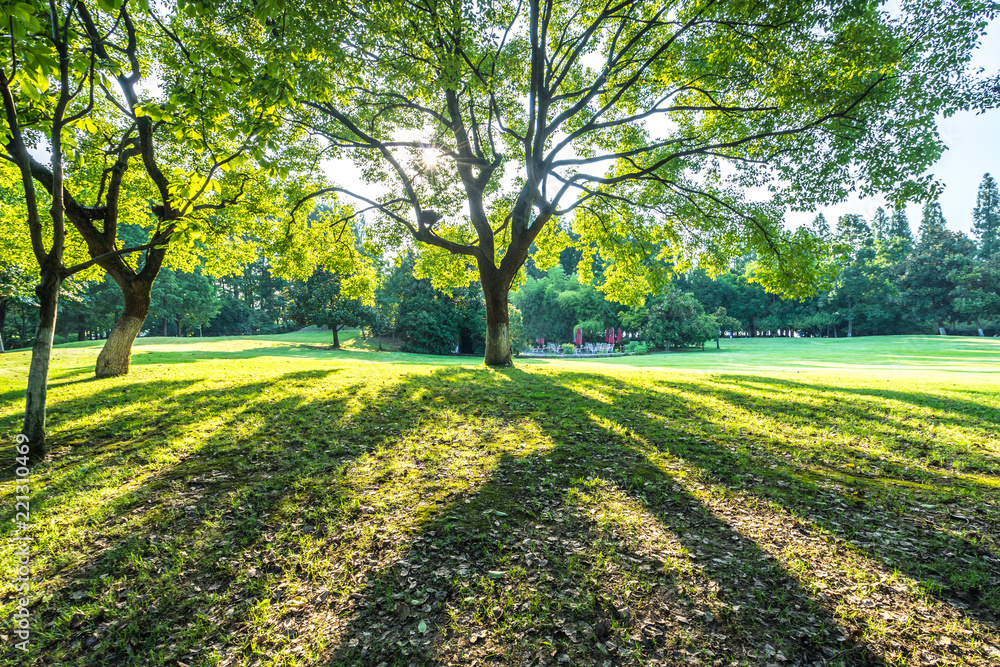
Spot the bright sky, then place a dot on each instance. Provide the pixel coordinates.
(973, 149)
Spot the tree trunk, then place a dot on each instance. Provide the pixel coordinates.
(495, 289)
(336, 338)
(38, 373)
(164, 326)
(3, 320)
(116, 354)
(81, 334)
(850, 328)
(178, 327)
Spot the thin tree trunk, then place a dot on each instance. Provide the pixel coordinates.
(164, 326)
(3, 320)
(38, 373)
(116, 355)
(495, 289)
(336, 338)
(850, 328)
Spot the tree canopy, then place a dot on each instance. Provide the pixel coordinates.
(643, 123)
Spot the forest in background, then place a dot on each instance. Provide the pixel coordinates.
(889, 280)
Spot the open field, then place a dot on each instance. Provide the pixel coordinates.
(269, 502)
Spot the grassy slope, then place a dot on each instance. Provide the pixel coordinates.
(268, 501)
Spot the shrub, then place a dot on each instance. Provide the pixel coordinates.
(635, 347)
(569, 348)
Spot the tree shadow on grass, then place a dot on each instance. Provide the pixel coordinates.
(191, 558)
(331, 518)
(665, 578)
(951, 409)
(875, 512)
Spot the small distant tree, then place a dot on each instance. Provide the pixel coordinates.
(821, 227)
(881, 224)
(932, 223)
(899, 226)
(854, 278)
(184, 300)
(326, 300)
(726, 322)
(986, 217)
(678, 319)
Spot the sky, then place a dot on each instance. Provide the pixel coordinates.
(973, 143)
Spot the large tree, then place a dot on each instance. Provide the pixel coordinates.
(934, 276)
(118, 113)
(480, 124)
(986, 217)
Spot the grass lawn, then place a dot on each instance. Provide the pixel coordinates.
(267, 501)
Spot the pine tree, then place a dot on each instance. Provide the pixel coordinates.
(932, 223)
(899, 226)
(986, 217)
(881, 225)
(821, 227)
(853, 230)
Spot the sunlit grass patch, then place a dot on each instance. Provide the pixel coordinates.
(271, 506)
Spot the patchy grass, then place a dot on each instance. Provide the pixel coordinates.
(267, 502)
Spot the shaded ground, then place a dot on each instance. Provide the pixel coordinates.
(275, 511)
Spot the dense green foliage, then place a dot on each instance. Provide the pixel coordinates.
(482, 130)
(678, 319)
(323, 300)
(553, 305)
(429, 321)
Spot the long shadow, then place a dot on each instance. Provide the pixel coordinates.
(898, 434)
(428, 606)
(225, 536)
(976, 412)
(880, 524)
(164, 574)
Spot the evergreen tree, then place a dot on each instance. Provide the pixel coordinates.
(986, 217)
(821, 227)
(853, 230)
(899, 226)
(932, 223)
(933, 275)
(881, 225)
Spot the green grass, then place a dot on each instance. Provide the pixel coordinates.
(267, 501)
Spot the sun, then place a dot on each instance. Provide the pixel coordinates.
(430, 157)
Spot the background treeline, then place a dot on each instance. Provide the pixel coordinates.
(888, 281)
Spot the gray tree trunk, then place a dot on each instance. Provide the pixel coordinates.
(38, 372)
(3, 320)
(497, 323)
